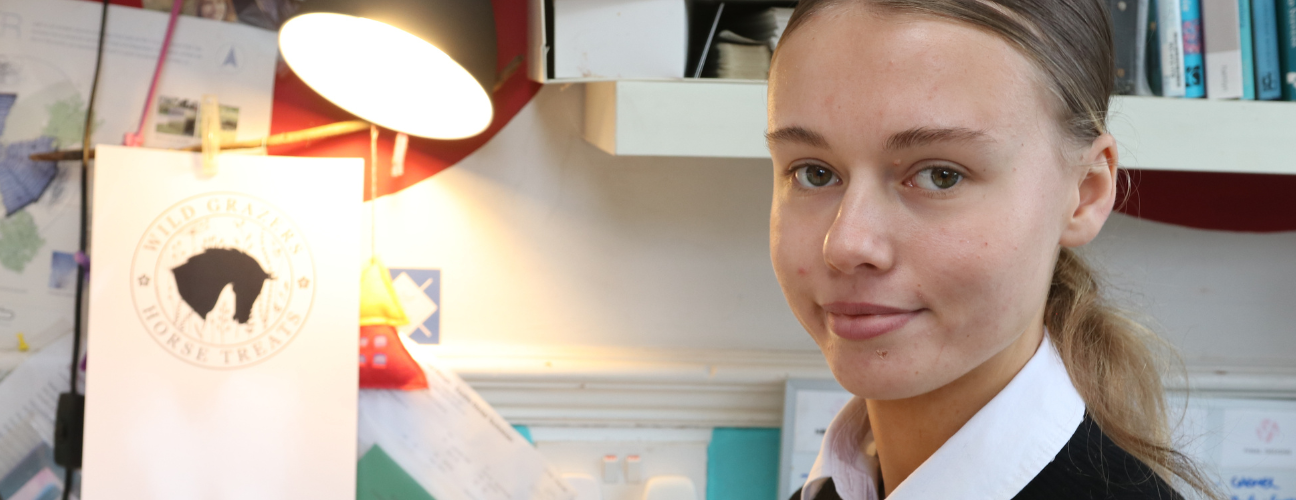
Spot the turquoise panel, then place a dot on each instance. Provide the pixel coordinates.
(525, 432)
(742, 464)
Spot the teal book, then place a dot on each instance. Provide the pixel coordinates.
(1287, 48)
(1248, 53)
(1193, 50)
(1264, 25)
(1152, 57)
(1125, 30)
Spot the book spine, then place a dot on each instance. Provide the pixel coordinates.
(1152, 59)
(1287, 48)
(1194, 62)
(1222, 31)
(1141, 86)
(1169, 30)
(1125, 21)
(1248, 52)
(1264, 27)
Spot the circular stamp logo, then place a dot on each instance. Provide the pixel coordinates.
(223, 280)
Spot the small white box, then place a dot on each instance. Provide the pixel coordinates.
(611, 39)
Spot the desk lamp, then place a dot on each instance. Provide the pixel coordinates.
(420, 67)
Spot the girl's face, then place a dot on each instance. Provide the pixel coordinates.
(920, 195)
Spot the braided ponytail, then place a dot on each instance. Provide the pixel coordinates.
(1115, 364)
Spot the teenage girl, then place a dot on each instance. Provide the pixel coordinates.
(936, 162)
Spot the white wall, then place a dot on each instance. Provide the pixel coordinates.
(1225, 299)
(547, 242)
(543, 239)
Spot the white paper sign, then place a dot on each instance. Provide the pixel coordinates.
(454, 444)
(1259, 439)
(814, 410)
(224, 313)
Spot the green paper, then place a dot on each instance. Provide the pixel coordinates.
(378, 477)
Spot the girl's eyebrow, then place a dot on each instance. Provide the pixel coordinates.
(911, 138)
(797, 134)
(921, 136)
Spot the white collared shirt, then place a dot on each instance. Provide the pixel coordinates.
(993, 456)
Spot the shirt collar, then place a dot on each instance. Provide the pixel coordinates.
(996, 453)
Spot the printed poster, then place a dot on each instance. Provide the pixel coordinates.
(1259, 438)
(222, 327)
(47, 60)
(815, 409)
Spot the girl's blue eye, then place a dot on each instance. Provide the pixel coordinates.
(815, 176)
(937, 178)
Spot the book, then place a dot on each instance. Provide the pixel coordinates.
(1194, 62)
(1222, 29)
(1287, 48)
(741, 41)
(1264, 28)
(1248, 50)
(1125, 28)
(1171, 43)
(1152, 56)
(782, 15)
(741, 60)
(1141, 37)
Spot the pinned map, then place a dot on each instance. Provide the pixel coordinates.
(23, 181)
(47, 57)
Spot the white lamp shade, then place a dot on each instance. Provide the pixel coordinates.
(385, 75)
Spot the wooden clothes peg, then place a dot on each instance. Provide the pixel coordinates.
(210, 130)
(398, 154)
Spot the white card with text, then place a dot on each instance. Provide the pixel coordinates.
(224, 313)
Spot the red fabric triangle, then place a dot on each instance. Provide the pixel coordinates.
(384, 362)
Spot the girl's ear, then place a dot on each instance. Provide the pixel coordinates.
(1095, 193)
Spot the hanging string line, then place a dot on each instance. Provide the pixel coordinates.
(83, 262)
(85, 206)
(373, 191)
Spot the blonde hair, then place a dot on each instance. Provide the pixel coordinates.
(1114, 362)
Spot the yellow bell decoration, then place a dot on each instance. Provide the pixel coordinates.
(378, 302)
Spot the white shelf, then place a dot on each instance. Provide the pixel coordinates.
(727, 119)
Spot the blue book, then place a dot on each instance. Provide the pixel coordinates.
(1193, 49)
(1264, 25)
(1287, 48)
(1248, 58)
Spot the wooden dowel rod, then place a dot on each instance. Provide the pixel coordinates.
(310, 134)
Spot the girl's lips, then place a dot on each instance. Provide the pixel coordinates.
(863, 321)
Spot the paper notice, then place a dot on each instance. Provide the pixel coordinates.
(814, 411)
(1259, 439)
(454, 444)
(28, 399)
